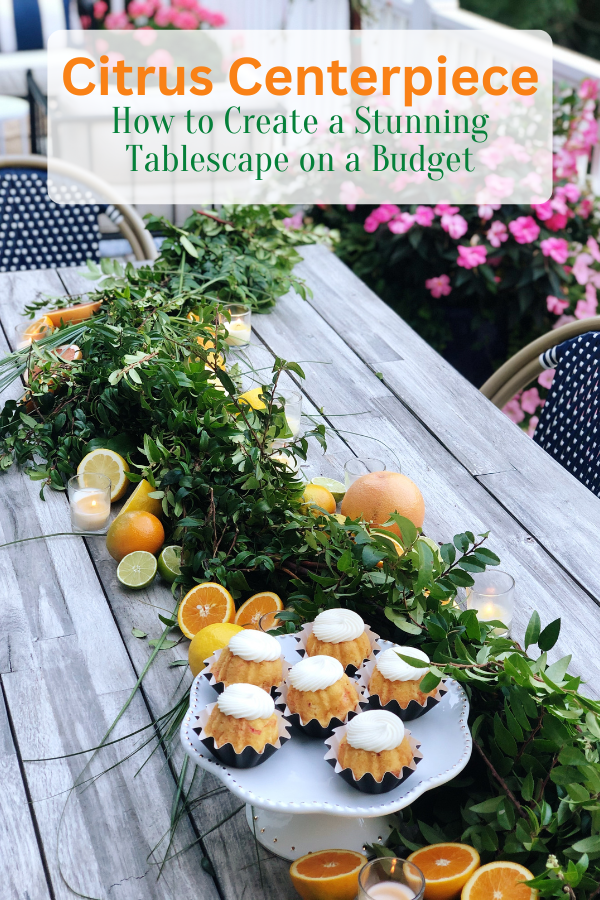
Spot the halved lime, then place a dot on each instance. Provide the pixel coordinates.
(137, 569)
(336, 487)
(169, 563)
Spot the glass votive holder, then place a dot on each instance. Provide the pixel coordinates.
(493, 597)
(28, 332)
(269, 621)
(355, 467)
(390, 878)
(238, 326)
(89, 501)
(292, 404)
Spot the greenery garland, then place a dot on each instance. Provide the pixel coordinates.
(150, 385)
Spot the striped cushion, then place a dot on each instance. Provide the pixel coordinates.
(27, 24)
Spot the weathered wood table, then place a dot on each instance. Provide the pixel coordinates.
(68, 659)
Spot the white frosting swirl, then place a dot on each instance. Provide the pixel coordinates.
(337, 625)
(255, 646)
(376, 731)
(246, 701)
(395, 669)
(315, 673)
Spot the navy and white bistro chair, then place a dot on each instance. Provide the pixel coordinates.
(27, 24)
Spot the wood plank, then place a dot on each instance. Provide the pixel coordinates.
(21, 868)
(454, 499)
(562, 514)
(66, 674)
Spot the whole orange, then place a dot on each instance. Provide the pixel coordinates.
(375, 496)
(138, 530)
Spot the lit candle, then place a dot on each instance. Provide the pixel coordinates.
(238, 332)
(493, 598)
(390, 890)
(90, 509)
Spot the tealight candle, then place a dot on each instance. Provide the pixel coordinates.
(389, 878)
(391, 890)
(239, 326)
(493, 598)
(89, 501)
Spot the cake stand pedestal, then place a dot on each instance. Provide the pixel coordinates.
(295, 802)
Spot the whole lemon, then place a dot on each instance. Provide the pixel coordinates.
(207, 640)
(317, 498)
(136, 530)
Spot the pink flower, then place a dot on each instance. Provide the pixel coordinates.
(295, 221)
(145, 36)
(371, 224)
(160, 58)
(140, 8)
(556, 222)
(350, 194)
(556, 305)
(216, 19)
(585, 207)
(401, 224)
(592, 245)
(424, 215)
(533, 423)
(586, 308)
(497, 234)
(524, 229)
(443, 208)
(185, 20)
(470, 257)
(546, 378)
(116, 21)
(385, 212)
(455, 225)
(86, 21)
(556, 248)
(164, 17)
(570, 191)
(542, 210)
(530, 400)
(513, 410)
(588, 89)
(100, 9)
(498, 186)
(439, 287)
(581, 269)
(491, 157)
(486, 212)
(563, 320)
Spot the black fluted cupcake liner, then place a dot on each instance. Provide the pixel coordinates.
(351, 670)
(414, 710)
(367, 784)
(220, 686)
(313, 728)
(249, 757)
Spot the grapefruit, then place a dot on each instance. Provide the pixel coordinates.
(374, 497)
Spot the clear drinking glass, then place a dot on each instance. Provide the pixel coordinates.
(355, 467)
(390, 878)
(269, 622)
(89, 501)
(493, 597)
(26, 333)
(239, 328)
(292, 402)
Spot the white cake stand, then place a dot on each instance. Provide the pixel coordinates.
(296, 804)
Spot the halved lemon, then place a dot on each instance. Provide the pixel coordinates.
(502, 880)
(139, 499)
(327, 874)
(107, 462)
(446, 867)
(250, 612)
(206, 604)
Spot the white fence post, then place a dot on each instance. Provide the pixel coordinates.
(420, 15)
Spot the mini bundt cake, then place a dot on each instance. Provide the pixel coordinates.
(394, 679)
(243, 716)
(375, 742)
(319, 689)
(251, 657)
(339, 633)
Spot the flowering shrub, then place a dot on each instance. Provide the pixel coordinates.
(488, 278)
(188, 15)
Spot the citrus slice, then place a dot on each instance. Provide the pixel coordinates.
(249, 613)
(139, 499)
(73, 314)
(252, 398)
(107, 462)
(39, 329)
(334, 487)
(206, 604)
(500, 881)
(446, 868)
(327, 874)
(390, 541)
(209, 639)
(317, 498)
(137, 570)
(169, 563)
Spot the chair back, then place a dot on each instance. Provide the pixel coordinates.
(569, 424)
(27, 24)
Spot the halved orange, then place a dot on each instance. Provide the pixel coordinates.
(39, 329)
(206, 604)
(500, 881)
(249, 613)
(446, 867)
(72, 315)
(327, 874)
